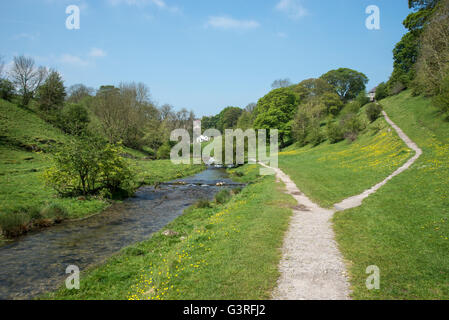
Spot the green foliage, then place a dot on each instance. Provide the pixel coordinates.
(164, 151)
(228, 118)
(335, 132)
(88, 165)
(315, 135)
(14, 224)
(75, 119)
(6, 89)
(381, 91)
(245, 121)
(275, 111)
(347, 83)
(441, 101)
(52, 93)
(373, 111)
(362, 98)
(332, 102)
(352, 126)
(300, 127)
(54, 212)
(223, 196)
(203, 203)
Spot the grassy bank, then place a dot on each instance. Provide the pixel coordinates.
(26, 146)
(404, 227)
(330, 173)
(228, 251)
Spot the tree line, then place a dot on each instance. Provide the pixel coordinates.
(421, 58)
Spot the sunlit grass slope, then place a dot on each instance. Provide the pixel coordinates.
(404, 228)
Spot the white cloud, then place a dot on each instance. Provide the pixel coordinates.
(97, 53)
(28, 36)
(161, 4)
(227, 23)
(292, 8)
(282, 35)
(73, 60)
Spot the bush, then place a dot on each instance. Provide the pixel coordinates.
(362, 98)
(352, 126)
(6, 89)
(223, 196)
(164, 151)
(88, 165)
(334, 133)
(381, 91)
(373, 111)
(14, 224)
(315, 136)
(203, 203)
(75, 119)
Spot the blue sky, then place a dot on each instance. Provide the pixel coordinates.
(203, 54)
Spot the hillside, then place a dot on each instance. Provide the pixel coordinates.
(26, 146)
(403, 228)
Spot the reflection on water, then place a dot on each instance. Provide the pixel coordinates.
(36, 263)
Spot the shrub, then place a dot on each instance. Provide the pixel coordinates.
(373, 111)
(315, 136)
(6, 89)
(334, 133)
(88, 165)
(223, 196)
(203, 203)
(14, 224)
(75, 119)
(164, 151)
(351, 125)
(362, 98)
(381, 91)
(441, 101)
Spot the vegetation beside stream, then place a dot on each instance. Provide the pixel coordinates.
(200, 254)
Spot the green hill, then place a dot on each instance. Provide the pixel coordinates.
(26, 146)
(403, 228)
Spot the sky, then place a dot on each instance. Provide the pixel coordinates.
(203, 55)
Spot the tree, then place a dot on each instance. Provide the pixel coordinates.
(281, 83)
(381, 91)
(228, 118)
(6, 89)
(78, 92)
(26, 77)
(312, 88)
(250, 107)
(433, 62)
(347, 83)
(75, 119)
(245, 121)
(52, 93)
(332, 102)
(276, 111)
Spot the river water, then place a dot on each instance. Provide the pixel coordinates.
(36, 263)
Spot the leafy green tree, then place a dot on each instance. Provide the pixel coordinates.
(245, 121)
(373, 111)
(300, 127)
(228, 118)
(381, 91)
(276, 111)
(75, 119)
(347, 83)
(332, 102)
(89, 166)
(6, 89)
(52, 93)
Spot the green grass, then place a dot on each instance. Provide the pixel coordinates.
(229, 251)
(404, 227)
(21, 185)
(330, 173)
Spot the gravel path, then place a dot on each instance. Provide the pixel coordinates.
(357, 200)
(312, 267)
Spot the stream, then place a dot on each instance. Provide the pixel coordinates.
(36, 263)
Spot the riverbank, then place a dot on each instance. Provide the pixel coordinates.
(227, 251)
